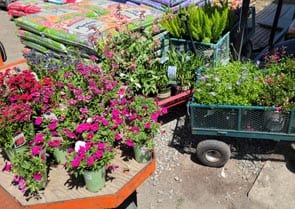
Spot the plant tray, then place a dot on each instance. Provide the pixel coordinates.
(217, 53)
(60, 194)
(242, 121)
(176, 100)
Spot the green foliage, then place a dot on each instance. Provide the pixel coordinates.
(233, 84)
(206, 23)
(187, 63)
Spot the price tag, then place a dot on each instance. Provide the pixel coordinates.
(171, 72)
(19, 140)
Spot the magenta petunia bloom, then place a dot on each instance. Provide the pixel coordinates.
(101, 145)
(94, 127)
(132, 117)
(147, 125)
(105, 122)
(7, 167)
(115, 113)
(36, 150)
(82, 127)
(76, 162)
(118, 136)
(130, 143)
(37, 176)
(155, 116)
(39, 138)
(38, 121)
(98, 154)
(54, 143)
(90, 161)
(164, 110)
(52, 126)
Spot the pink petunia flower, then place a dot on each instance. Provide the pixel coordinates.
(7, 167)
(36, 150)
(147, 125)
(37, 176)
(130, 143)
(38, 121)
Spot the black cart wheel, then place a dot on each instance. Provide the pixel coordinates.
(213, 153)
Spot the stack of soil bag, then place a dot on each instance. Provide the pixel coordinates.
(164, 5)
(64, 28)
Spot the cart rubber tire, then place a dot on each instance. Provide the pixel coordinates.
(213, 153)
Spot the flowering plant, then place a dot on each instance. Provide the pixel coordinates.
(30, 167)
(141, 122)
(246, 84)
(132, 56)
(88, 155)
(233, 84)
(22, 97)
(279, 88)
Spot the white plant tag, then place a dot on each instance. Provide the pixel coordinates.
(171, 72)
(49, 116)
(19, 140)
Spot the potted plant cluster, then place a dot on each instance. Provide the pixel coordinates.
(270, 87)
(203, 30)
(75, 109)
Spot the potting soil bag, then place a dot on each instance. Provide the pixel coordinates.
(30, 24)
(170, 2)
(45, 42)
(35, 46)
(16, 13)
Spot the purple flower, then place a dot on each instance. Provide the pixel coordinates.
(90, 161)
(147, 125)
(82, 127)
(52, 126)
(101, 145)
(155, 116)
(54, 143)
(132, 117)
(164, 110)
(36, 150)
(76, 162)
(130, 143)
(115, 113)
(98, 155)
(38, 121)
(37, 176)
(105, 122)
(7, 167)
(39, 138)
(94, 127)
(118, 136)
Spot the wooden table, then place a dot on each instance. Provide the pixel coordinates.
(60, 194)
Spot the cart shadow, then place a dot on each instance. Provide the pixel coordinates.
(241, 148)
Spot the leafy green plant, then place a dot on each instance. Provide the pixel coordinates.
(206, 23)
(132, 56)
(233, 84)
(187, 63)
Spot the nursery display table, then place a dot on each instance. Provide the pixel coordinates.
(61, 193)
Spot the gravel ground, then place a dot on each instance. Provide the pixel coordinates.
(181, 182)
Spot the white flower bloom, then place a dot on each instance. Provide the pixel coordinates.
(79, 144)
